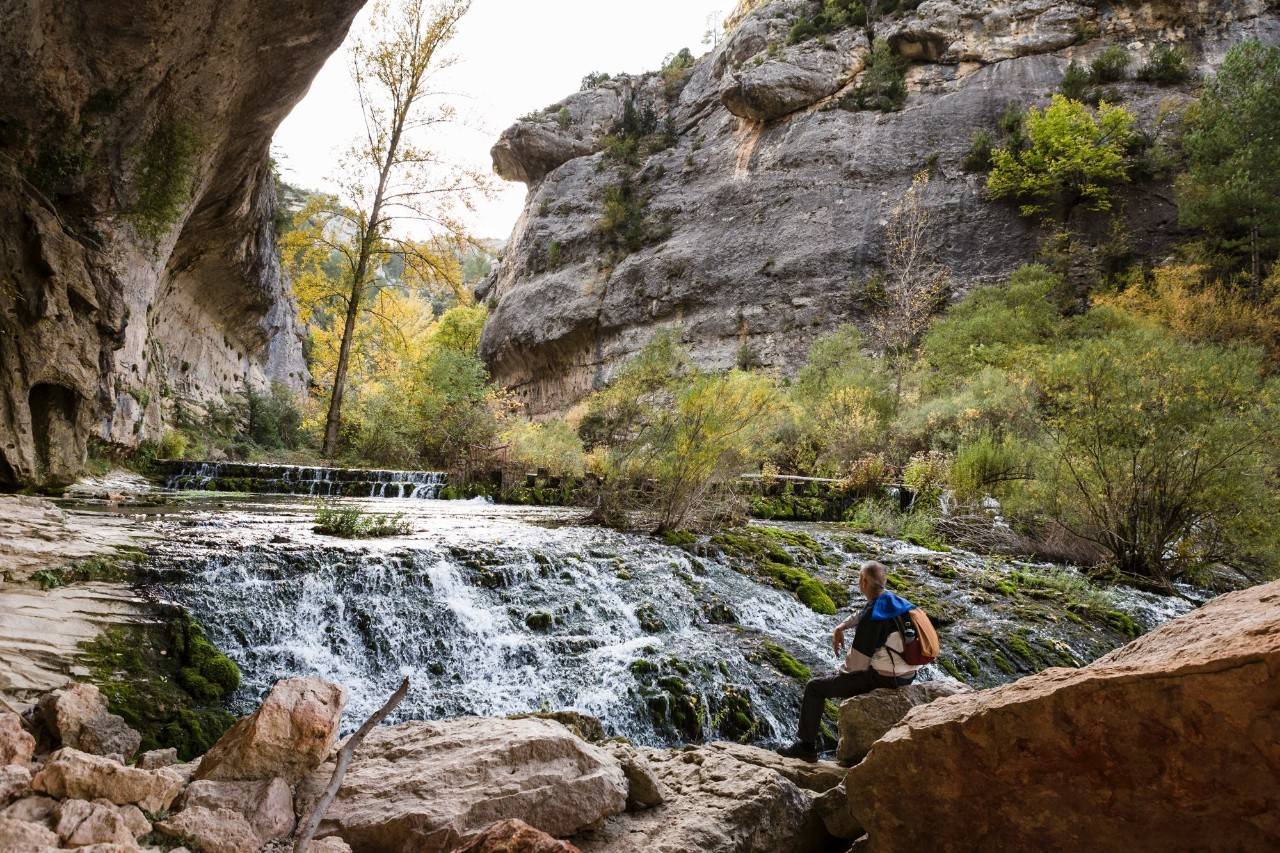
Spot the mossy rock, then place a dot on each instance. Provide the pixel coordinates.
(539, 620)
(784, 662)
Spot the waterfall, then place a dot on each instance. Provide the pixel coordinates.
(302, 480)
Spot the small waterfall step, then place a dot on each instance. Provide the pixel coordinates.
(265, 478)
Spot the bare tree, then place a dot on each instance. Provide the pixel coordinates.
(914, 283)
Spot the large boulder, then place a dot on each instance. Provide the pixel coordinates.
(429, 786)
(288, 736)
(715, 802)
(266, 805)
(516, 836)
(864, 719)
(801, 76)
(1169, 743)
(72, 773)
(16, 743)
(78, 718)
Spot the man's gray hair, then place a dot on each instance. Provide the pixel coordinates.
(876, 575)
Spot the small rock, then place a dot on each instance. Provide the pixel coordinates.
(16, 743)
(585, 726)
(80, 823)
(331, 844)
(19, 835)
(864, 719)
(643, 788)
(76, 774)
(156, 758)
(833, 807)
(289, 735)
(133, 818)
(268, 806)
(212, 830)
(816, 776)
(35, 809)
(15, 780)
(516, 836)
(78, 717)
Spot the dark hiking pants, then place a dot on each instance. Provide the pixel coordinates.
(839, 685)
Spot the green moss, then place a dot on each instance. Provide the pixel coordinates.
(1019, 647)
(1122, 622)
(771, 553)
(784, 662)
(538, 621)
(813, 594)
(950, 666)
(166, 176)
(897, 582)
(1002, 664)
(679, 538)
(642, 667)
(166, 680)
(650, 622)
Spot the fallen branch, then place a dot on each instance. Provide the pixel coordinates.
(308, 829)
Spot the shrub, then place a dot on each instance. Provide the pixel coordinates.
(350, 522)
(1072, 158)
(1077, 84)
(985, 464)
(274, 420)
(978, 157)
(594, 79)
(172, 445)
(1167, 65)
(166, 175)
(883, 85)
(551, 444)
(1111, 65)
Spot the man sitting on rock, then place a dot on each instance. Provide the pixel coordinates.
(874, 660)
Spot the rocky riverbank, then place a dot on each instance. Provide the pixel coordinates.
(1168, 739)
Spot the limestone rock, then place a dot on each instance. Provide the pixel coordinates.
(18, 836)
(211, 830)
(78, 718)
(516, 836)
(833, 807)
(864, 719)
(154, 758)
(111, 299)
(585, 726)
(1169, 743)
(35, 809)
(714, 803)
(775, 192)
(267, 805)
(72, 773)
(80, 823)
(816, 776)
(331, 844)
(15, 779)
(288, 736)
(643, 788)
(16, 743)
(427, 786)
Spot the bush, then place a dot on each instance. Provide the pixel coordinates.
(172, 445)
(883, 85)
(274, 420)
(1111, 65)
(350, 522)
(1077, 84)
(978, 157)
(552, 445)
(1167, 65)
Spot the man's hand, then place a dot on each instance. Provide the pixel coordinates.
(837, 641)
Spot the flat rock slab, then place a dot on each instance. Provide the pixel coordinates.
(422, 787)
(1169, 743)
(715, 802)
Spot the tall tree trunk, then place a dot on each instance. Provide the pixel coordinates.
(334, 420)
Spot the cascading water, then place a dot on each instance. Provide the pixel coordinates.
(498, 609)
(303, 480)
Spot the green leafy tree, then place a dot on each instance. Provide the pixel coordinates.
(1161, 452)
(1232, 185)
(1072, 157)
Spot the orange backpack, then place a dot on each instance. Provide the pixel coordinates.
(919, 638)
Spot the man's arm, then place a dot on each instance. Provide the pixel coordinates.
(837, 636)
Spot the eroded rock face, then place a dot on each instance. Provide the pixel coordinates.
(767, 211)
(1169, 743)
(864, 719)
(715, 802)
(136, 206)
(420, 787)
(289, 734)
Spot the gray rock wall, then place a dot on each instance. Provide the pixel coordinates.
(771, 202)
(109, 317)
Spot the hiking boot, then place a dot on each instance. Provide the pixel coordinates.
(801, 750)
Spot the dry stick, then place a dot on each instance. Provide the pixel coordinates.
(340, 769)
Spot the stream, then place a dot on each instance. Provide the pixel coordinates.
(493, 610)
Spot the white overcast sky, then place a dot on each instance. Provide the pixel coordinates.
(515, 56)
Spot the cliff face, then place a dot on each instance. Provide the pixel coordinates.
(760, 221)
(137, 263)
